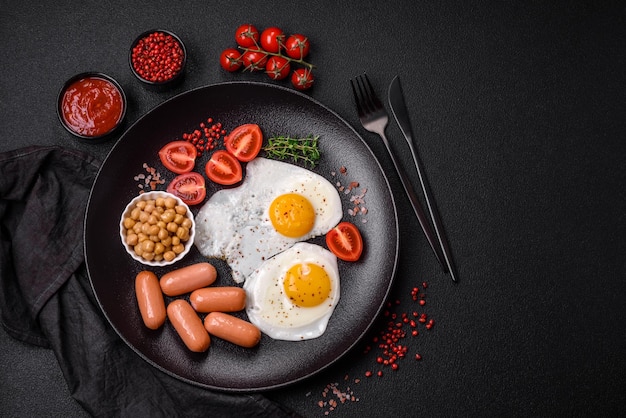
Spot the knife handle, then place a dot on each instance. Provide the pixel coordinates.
(417, 207)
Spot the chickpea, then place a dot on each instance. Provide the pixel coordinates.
(168, 216)
(137, 227)
(163, 234)
(186, 223)
(172, 227)
(181, 210)
(178, 248)
(147, 246)
(159, 248)
(153, 230)
(148, 256)
(129, 222)
(169, 255)
(182, 233)
(134, 214)
(144, 216)
(132, 239)
(170, 203)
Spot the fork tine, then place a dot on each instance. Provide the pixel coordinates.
(357, 98)
(366, 100)
(373, 98)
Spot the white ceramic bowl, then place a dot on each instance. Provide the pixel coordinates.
(153, 196)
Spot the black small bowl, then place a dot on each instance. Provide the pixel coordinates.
(169, 82)
(99, 137)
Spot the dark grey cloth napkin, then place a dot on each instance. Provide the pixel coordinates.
(46, 298)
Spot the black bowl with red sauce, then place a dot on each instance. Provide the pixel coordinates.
(92, 106)
(158, 58)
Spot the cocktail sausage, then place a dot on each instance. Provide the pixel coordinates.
(188, 279)
(218, 299)
(232, 329)
(150, 299)
(188, 325)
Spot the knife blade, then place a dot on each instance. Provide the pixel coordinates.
(401, 115)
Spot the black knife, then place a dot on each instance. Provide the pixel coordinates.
(401, 115)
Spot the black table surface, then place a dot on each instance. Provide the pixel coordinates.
(519, 114)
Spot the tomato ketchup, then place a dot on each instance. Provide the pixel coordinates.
(92, 106)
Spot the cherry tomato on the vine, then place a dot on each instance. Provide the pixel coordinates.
(254, 60)
(277, 67)
(230, 59)
(247, 36)
(272, 39)
(302, 79)
(297, 46)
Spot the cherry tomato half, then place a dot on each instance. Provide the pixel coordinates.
(230, 59)
(302, 79)
(189, 187)
(178, 156)
(297, 46)
(254, 60)
(247, 36)
(345, 241)
(244, 142)
(223, 168)
(277, 68)
(272, 39)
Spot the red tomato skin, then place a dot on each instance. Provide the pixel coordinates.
(189, 187)
(230, 59)
(222, 158)
(272, 39)
(340, 237)
(297, 46)
(178, 156)
(302, 79)
(251, 133)
(254, 60)
(247, 36)
(277, 68)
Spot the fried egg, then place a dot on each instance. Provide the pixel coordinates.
(277, 205)
(292, 295)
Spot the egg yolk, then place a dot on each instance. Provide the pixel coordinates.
(307, 285)
(292, 215)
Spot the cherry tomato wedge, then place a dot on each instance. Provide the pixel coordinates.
(178, 156)
(244, 142)
(345, 241)
(223, 168)
(189, 187)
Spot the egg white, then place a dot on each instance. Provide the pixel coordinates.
(234, 224)
(273, 312)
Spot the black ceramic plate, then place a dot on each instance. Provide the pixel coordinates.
(277, 110)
